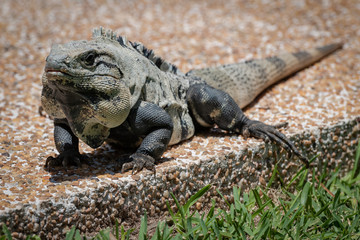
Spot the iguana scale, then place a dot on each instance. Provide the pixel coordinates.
(111, 89)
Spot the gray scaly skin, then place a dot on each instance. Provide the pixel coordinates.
(110, 89)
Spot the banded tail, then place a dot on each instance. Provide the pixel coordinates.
(245, 81)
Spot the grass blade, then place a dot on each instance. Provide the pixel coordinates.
(222, 196)
(166, 232)
(257, 197)
(236, 193)
(143, 227)
(301, 171)
(273, 175)
(355, 171)
(70, 234)
(336, 199)
(193, 199)
(180, 208)
(77, 235)
(325, 207)
(264, 228)
(203, 227)
(117, 234)
(105, 235)
(6, 231)
(259, 210)
(305, 194)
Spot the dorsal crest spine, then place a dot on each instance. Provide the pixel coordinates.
(109, 34)
(138, 47)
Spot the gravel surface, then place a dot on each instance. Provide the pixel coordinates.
(190, 34)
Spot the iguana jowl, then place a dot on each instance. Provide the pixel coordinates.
(110, 89)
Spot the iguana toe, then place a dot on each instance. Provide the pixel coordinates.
(66, 159)
(266, 132)
(138, 162)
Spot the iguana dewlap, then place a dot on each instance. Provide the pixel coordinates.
(110, 89)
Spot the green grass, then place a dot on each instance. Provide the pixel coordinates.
(325, 208)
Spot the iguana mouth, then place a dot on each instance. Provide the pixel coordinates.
(56, 72)
(59, 73)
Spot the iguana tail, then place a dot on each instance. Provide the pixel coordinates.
(245, 81)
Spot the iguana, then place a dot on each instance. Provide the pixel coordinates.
(114, 90)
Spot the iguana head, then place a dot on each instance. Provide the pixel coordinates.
(93, 84)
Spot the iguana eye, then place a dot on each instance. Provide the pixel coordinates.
(89, 58)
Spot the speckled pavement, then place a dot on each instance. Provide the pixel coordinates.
(321, 104)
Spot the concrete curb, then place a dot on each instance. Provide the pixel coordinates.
(128, 197)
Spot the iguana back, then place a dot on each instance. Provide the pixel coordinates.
(246, 80)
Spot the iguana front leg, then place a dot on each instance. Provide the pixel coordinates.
(67, 144)
(154, 125)
(212, 106)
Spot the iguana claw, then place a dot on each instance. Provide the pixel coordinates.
(66, 159)
(138, 162)
(269, 133)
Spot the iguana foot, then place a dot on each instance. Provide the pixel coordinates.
(138, 162)
(269, 133)
(66, 159)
